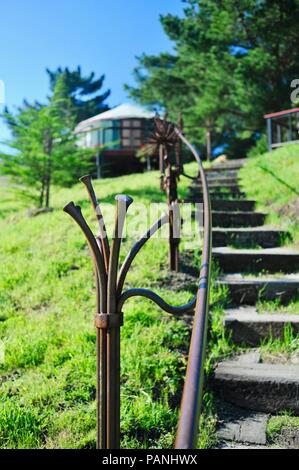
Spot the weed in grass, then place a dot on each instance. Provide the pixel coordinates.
(21, 427)
(207, 424)
(220, 345)
(275, 306)
(283, 420)
(283, 430)
(287, 346)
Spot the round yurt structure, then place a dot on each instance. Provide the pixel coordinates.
(116, 135)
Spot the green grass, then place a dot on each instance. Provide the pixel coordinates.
(278, 424)
(47, 303)
(284, 348)
(272, 180)
(275, 306)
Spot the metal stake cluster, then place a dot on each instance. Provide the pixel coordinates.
(167, 142)
(110, 298)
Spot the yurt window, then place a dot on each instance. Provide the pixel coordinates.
(131, 133)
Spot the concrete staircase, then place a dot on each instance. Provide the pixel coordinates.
(253, 267)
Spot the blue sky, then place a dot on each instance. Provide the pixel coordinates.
(103, 36)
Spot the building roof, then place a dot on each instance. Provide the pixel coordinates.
(281, 113)
(123, 111)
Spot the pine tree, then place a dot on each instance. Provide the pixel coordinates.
(44, 148)
(83, 92)
(233, 62)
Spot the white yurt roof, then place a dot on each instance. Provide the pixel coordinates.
(123, 111)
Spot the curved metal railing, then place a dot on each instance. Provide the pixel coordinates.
(187, 431)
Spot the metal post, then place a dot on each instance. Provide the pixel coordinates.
(172, 197)
(167, 141)
(101, 302)
(178, 147)
(113, 339)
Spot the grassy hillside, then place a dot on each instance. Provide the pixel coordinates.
(272, 180)
(46, 323)
(47, 307)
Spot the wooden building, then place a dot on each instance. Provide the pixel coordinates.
(282, 128)
(116, 135)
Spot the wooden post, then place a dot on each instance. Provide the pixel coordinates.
(98, 163)
(269, 134)
(278, 128)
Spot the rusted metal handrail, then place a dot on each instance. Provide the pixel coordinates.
(110, 299)
(187, 432)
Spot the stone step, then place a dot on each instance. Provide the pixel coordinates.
(248, 290)
(234, 219)
(233, 205)
(236, 445)
(246, 326)
(196, 194)
(221, 180)
(265, 237)
(218, 186)
(272, 260)
(223, 173)
(258, 386)
(238, 425)
(228, 165)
